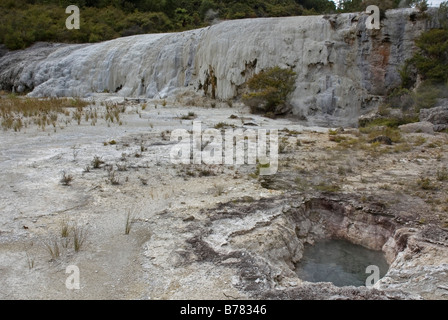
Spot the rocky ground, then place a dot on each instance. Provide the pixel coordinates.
(140, 227)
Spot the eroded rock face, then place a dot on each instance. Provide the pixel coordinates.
(264, 240)
(438, 116)
(421, 263)
(343, 68)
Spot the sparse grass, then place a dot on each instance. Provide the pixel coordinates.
(190, 116)
(113, 112)
(386, 187)
(390, 122)
(402, 147)
(418, 141)
(435, 144)
(351, 143)
(206, 172)
(65, 233)
(75, 153)
(219, 189)
(257, 170)
(442, 175)
(113, 179)
(97, 162)
(17, 124)
(30, 261)
(65, 228)
(422, 221)
(425, 184)
(165, 135)
(373, 149)
(291, 132)
(128, 224)
(130, 217)
(122, 167)
(77, 115)
(283, 145)
(79, 237)
(302, 183)
(223, 125)
(29, 107)
(325, 187)
(373, 132)
(342, 171)
(43, 112)
(337, 138)
(52, 246)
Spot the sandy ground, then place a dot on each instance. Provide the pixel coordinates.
(34, 204)
(164, 200)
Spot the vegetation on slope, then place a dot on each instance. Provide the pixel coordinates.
(27, 21)
(269, 89)
(424, 78)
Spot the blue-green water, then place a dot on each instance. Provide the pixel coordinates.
(340, 262)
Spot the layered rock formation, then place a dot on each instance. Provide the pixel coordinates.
(265, 240)
(343, 68)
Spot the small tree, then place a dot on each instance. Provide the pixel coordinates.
(269, 90)
(421, 5)
(432, 60)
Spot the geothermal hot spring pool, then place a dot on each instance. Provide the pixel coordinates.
(340, 262)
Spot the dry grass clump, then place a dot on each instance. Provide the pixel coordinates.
(28, 107)
(43, 112)
(189, 116)
(113, 112)
(131, 217)
(66, 179)
(71, 234)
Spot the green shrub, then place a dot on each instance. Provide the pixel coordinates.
(426, 96)
(269, 89)
(432, 59)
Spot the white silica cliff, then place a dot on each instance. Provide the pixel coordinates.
(342, 67)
